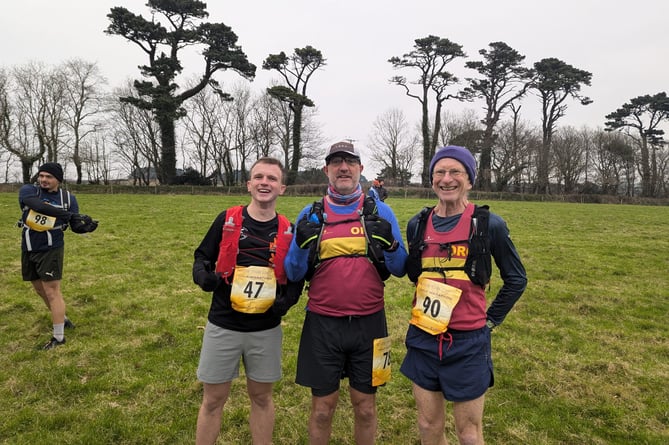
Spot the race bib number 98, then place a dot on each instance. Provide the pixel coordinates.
(253, 289)
(39, 222)
(434, 305)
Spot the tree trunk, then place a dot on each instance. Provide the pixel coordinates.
(485, 163)
(297, 150)
(168, 160)
(427, 144)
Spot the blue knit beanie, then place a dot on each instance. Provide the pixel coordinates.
(459, 154)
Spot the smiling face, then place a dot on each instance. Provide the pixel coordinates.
(450, 181)
(266, 182)
(343, 173)
(47, 181)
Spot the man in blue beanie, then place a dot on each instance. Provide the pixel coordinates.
(448, 340)
(460, 154)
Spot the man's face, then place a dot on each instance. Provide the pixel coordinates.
(344, 173)
(266, 183)
(450, 181)
(47, 181)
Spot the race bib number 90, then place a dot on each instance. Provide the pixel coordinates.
(39, 222)
(253, 289)
(434, 305)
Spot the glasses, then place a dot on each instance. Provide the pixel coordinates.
(349, 161)
(453, 173)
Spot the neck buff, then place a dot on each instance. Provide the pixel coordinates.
(344, 199)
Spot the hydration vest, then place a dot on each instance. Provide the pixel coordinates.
(229, 246)
(374, 253)
(478, 265)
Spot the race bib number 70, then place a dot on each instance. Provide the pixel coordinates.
(381, 361)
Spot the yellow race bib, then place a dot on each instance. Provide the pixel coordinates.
(253, 289)
(40, 223)
(381, 361)
(434, 305)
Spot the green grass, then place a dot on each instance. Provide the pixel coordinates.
(582, 359)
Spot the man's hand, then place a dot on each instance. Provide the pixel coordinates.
(381, 231)
(204, 277)
(208, 281)
(307, 232)
(82, 223)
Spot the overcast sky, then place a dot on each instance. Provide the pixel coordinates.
(625, 45)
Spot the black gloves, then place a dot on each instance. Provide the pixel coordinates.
(381, 232)
(204, 277)
(82, 223)
(287, 298)
(307, 230)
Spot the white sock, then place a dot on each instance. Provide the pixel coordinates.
(59, 331)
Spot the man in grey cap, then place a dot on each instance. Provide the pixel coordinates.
(47, 210)
(346, 246)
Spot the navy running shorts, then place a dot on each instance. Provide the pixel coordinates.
(464, 372)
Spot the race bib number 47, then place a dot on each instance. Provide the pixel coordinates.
(434, 305)
(253, 289)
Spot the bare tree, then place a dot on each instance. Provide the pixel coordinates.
(32, 120)
(463, 128)
(241, 134)
(136, 138)
(569, 158)
(263, 131)
(201, 132)
(612, 159)
(393, 146)
(511, 155)
(82, 83)
(96, 159)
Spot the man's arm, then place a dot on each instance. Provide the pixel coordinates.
(510, 267)
(29, 197)
(395, 260)
(297, 260)
(206, 255)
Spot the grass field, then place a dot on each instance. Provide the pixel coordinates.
(582, 359)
